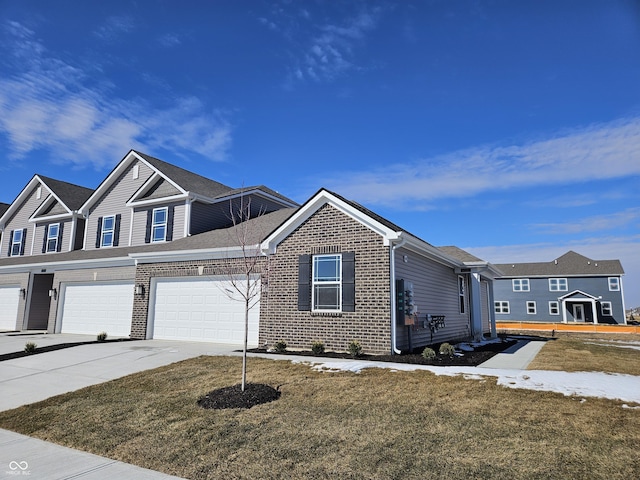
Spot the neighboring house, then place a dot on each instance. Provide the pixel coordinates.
(159, 242)
(42, 220)
(571, 288)
(143, 203)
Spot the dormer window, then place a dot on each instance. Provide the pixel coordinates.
(159, 225)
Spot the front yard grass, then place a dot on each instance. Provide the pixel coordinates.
(586, 352)
(378, 424)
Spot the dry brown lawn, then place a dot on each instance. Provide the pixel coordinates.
(587, 352)
(378, 424)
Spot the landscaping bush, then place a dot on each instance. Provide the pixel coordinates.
(428, 353)
(280, 346)
(355, 349)
(317, 348)
(102, 336)
(447, 349)
(30, 347)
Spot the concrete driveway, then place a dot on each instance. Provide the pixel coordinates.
(37, 377)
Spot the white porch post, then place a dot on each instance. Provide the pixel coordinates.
(476, 306)
(563, 305)
(594, 312)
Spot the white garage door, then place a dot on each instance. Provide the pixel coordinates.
(200, 310)
(98, 307)
(9, 297)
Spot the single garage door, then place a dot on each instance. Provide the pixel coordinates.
(97, 307)
(200, 310)
(9, 298)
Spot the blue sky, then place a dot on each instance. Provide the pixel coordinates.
(509, 129)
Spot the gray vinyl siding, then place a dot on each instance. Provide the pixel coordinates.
(161, 189)
(218, 215)
(20, 220)
(55, 209)
(435, 292)
(113, 202)
(66, 236)
(140, 221)
(539, 293)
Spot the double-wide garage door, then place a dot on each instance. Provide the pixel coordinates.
(9, 298)
(97, 307)
(202, 310)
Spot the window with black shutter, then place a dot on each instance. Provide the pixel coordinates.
(326, 282)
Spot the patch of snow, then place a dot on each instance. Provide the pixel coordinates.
(632, 347)
(582, 384)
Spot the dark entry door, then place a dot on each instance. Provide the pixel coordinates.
(40, 303)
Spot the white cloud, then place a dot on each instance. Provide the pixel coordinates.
(115, 27)
(597, 223)
(600, 151)
(51, 105)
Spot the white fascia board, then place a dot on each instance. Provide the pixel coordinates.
(577, 292)
(423, 248)
(197, 254)
(148, 184)
(20, 198)
(311, 207)
(107, 182)
(155, 201)
(68, 265)
(258, 192)
(59, 216)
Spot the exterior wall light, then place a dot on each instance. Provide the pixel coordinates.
(139, 290)
(23, 293)
(53, 293)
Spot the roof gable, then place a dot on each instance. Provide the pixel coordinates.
(181, 179)
(569, 264)
(69, 196)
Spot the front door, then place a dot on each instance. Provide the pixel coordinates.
(578, 313)
(38, 317)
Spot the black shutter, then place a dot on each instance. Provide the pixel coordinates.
(99, 233)
(147, 233)
(304, 283)
(169, 235)
(44, 240)
(24, 241)
(116, 231)
(349, 282)
(10, 243)
(60, 230)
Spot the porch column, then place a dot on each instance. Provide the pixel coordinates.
(594, 312)
(563, 305)
(476, 306)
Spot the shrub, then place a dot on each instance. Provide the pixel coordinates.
(355, 349)
(447, 349)
(317, 347)
(280, 346)
(428, 353)
(102, 336)
(30, 347)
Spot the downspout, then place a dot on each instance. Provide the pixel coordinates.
(392, 266)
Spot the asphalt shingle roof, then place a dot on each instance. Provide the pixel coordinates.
(3, 208)
(189, 181)
(569, 264)
(73, 196)
(460, 254)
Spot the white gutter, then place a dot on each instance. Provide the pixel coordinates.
(197, 254)
(392, 266)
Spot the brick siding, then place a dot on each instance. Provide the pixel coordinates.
(329, 230)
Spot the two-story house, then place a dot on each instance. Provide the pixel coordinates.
(147, 255)
(571, 288)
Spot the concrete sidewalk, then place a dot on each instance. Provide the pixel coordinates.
(517, 357)
(21, 455)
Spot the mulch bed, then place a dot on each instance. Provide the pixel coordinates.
(53, 348)
(469, 359)
(233, 397)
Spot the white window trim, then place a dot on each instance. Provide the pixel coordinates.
(554, 305)
(18, 244)
(521, 282)
(462, 294)
(104, 231)
(50, 238)
(530, 304)
(557, 284)
(155, 225)
(615, 283)
(609, 307)
(500, 305)
(337, 282)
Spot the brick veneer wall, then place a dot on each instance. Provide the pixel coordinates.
(146, 271)
(329, 230)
